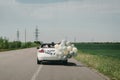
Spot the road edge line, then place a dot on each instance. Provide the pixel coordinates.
(36, 73)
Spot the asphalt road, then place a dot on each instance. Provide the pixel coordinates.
(21, 65)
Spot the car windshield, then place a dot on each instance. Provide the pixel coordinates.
(47, 46)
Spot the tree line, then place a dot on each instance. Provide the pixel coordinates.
(99, 45)
(5, 44)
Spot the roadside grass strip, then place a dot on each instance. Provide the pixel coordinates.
(107, 65)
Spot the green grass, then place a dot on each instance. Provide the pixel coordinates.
(104, 59)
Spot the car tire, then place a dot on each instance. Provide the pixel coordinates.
(39, 62)
(65, 61)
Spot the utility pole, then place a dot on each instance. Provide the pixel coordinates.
(18, 35)
(36, 33)
(66, 38)
(74, 39)
(25, 36)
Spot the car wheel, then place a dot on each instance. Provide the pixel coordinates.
(39, 62)
(65, 61)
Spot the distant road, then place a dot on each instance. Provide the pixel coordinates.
(21, 65)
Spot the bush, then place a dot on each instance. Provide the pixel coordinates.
(6, 45)
(3, 43)
(15, 44)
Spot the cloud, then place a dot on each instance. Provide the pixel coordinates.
(69, 11)
(67, 7)
(7, 2)
(66, 12)
(42, 13)
(39, 1)
(82, 15)
(43, 1)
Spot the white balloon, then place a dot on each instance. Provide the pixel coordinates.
(74, 50)
(56, 46)
(64, 47)
(71, 52)
(68, 43)
(72, 45)
(64, 57)
(63, 42)
(69, 48)
(59, 48)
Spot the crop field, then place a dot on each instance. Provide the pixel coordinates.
(104, 57)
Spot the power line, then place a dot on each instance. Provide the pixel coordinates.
(36, 33)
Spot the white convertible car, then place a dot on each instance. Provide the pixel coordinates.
(56, 52)
(47, 52)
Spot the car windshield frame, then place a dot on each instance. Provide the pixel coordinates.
(47, 45)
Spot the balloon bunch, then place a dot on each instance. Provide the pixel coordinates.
(65, 49)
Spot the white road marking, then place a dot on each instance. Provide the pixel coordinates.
(37, 72)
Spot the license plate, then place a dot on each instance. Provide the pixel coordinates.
(51, 52)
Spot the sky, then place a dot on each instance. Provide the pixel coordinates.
(74, 20)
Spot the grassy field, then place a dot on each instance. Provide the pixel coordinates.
(104, 57)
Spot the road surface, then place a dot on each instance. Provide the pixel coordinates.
(21, 65)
